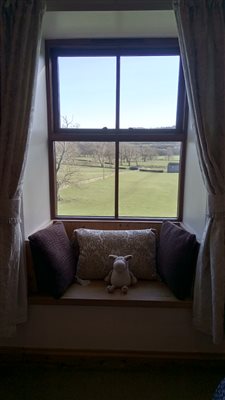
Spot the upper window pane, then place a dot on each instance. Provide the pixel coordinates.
(87, 92)
(148, 91)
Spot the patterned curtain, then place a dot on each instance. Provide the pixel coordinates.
(201, 32)
(20, 23)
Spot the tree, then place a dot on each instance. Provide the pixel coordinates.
(152, 152)
(110, 153)
(67, 171)
(104, 153)
(65, 160)
(68, 123)
(99, 153)
(169, 151)
(143, 152)
(127, 152)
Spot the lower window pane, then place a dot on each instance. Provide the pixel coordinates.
(148, 179)
(85, 174)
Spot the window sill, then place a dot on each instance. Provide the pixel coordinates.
(144, 294)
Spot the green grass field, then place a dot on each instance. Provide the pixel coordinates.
(141, 194)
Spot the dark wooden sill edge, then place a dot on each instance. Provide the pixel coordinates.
(156, 303)
(144, 294)
(86, 359)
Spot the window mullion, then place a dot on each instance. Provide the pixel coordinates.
(117, 143)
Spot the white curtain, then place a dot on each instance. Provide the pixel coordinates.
(20, 23)
(201, 32)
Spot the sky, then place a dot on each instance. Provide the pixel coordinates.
(148, 91)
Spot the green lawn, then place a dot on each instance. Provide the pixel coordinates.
(152, 194)
(142, 194)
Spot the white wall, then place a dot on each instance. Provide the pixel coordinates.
(112, 328)
(194, 192)
(106, 24)
(36, 202)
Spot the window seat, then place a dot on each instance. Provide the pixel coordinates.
(143, 294)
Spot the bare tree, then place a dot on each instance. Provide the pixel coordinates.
(152, 152)
(128, 152)
(100, 153)
(169, 151)
(62, 181)
(67, 122)
(104, 153)
(65, 159)
(110, 153)
(144, 151)
(65, 166)
(60, 151)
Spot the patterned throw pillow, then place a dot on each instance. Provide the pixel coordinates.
(53, 258)
(96, 245)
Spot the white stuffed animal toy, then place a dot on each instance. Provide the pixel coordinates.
(120, 276)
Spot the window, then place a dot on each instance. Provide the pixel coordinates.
(116, 128)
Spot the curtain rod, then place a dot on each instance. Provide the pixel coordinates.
(108, 5)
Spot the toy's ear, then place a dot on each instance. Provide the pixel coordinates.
(128, 257)
(113, 256)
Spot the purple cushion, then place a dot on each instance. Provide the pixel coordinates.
(54, 260)
(176, 260)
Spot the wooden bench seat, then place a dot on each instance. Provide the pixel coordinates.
(144, 294)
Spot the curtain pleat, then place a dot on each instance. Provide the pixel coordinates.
(20, 27)
(201, 33)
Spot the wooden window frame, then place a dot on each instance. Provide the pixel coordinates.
(114, 47)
